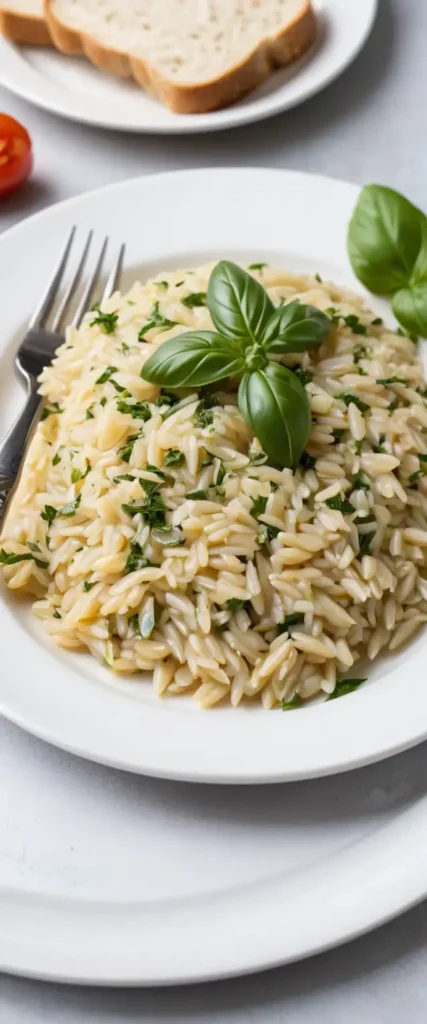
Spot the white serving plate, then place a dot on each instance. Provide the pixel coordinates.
(74, 89)
(114, 879)
(289, 219)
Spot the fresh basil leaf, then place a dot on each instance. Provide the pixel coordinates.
(275, 404)
(410, 308)
(387, 239)
(295, 328)
(193, 359)
(239, 306)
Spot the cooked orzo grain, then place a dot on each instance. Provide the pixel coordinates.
(157, 536)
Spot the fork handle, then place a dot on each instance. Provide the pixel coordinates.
(13, 445)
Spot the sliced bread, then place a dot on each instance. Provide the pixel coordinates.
(23, 21)
(195, 55)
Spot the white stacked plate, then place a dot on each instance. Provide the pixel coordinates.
(71, 87)
(113, 878)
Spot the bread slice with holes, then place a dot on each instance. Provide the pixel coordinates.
(24, 21)
(194, 55)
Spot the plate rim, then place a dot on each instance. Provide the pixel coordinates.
(399, 883)
(410, 731)
(230, 117)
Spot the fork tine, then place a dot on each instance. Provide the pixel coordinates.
(114, 278)
(45, 306)
(59, 316)
(89, 289)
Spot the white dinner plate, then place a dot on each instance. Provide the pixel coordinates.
(73, 88)
(113, 879)
(181, 219)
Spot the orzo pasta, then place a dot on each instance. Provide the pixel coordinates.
(156, 534)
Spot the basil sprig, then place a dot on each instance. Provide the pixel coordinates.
(249, 329)
(387, 246)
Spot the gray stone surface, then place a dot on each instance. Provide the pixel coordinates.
(369, 125)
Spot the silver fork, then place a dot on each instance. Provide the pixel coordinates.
(44, 335)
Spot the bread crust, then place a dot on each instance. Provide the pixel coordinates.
(24, 28)
(287, 45)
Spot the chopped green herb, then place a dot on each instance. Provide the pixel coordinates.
(89, 413)
(392, 380)
(303, 375)
(125, 348)
(235, 604)
(156, 319)
(126, 450)
(204, 414)
(195, 299)
(349, 399)
(258, 507)
(220, 474)
(153, 510)
(197, 495)
(138, 411)
(318, 278)
(106, 321)
(352, 321)
(294, 619)
(360, 352)
(267, 533)
(174, 457)
(71, 508)
(77, 475)
(377, 322)
(208, 460)
(49, 514)
(395, 404)
(414, 477)
(120, 389)
(307, 461)
(345, 686)
(10, 559)
(106, 375)
(87, 586)
(166, 399)
(51, 410)
(338, 434)
(341, 504)
(136, 559)
(124, 476)
(365, 543)
(361, 482)
(257, 458)
(295, 702)
(134, 623)
(257, 266)
(103, 401)
(56, 459)
(33, 547)
(163, 284)
(56, 614)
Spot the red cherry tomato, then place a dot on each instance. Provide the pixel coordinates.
(16, 158)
